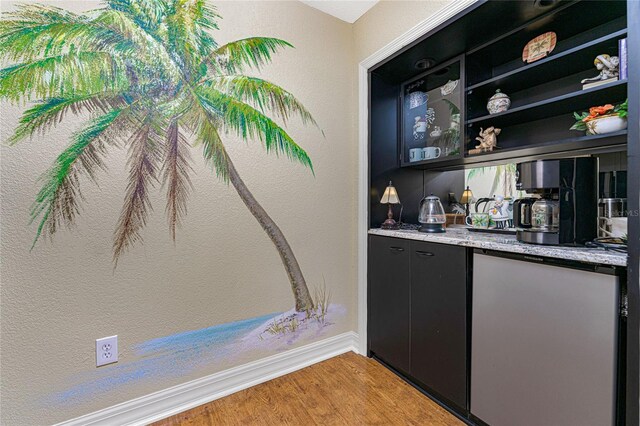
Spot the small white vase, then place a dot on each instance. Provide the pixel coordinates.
(606, 124)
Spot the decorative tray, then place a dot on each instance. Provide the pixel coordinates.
(505, 231)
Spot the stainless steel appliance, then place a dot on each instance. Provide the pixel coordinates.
(544, 342)
(566, 211)
(612, 217)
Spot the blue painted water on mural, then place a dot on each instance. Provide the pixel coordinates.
(170, 356)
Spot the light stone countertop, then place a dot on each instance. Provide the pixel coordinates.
(508, 243)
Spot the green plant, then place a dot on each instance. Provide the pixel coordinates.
(622, 109)
(149, 73)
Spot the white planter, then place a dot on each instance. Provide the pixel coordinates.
(606, 124)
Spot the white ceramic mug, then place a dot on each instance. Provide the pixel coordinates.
(431, 152)
(415, 154)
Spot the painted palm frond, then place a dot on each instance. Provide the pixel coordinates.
(187, 34)
(57, 202)
(145, 71)
(145, 153)
(249, 123)
(264, 95)
(175, 175)
(61, 76)
(41, 14)
(150, 57)
(24, 41)
(147, 14)
(249, 52)
(45, 115)
(204, 125)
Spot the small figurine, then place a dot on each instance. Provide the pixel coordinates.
(499, 213)
(608, 67)
(436, 132)
(488, 140)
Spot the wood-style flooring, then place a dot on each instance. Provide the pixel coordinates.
(346, 390)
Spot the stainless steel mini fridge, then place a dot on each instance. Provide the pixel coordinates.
(544, 343)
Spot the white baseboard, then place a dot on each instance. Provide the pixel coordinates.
(174, 400)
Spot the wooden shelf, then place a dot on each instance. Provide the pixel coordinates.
(552, 67)
(580, 100)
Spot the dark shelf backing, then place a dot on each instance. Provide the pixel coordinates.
(557, 65)
(574, 25)
(580, 100)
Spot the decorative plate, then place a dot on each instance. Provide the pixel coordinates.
(539, 47)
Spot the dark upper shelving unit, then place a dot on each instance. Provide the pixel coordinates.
(544, 94)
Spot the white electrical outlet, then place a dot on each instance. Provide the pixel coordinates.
(106, 350)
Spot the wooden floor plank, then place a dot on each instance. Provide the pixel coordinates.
(346, 390)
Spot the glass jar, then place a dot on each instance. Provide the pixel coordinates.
(545, 215)
(432, 216)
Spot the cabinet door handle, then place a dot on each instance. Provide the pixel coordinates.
(424, 253)
(396, 249)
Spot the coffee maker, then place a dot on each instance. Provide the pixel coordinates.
(564, 210)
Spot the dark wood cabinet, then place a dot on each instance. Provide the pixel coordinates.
(389, 300)
(418, 314)
(439, 319)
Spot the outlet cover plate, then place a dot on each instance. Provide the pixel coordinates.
(106, 350)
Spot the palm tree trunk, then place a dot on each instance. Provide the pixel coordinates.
(298, 284)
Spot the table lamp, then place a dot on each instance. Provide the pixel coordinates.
(390, 197)
(465, 199)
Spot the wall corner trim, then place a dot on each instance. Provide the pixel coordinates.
(176, 399)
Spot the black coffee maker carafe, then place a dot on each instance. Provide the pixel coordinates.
(522, 212)
(565, 209)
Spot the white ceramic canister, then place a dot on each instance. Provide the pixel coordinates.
(500, 102)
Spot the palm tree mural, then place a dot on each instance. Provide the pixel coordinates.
(504, 178)
(150, 73)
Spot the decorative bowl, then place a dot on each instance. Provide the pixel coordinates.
(606, 124)
(500, 102)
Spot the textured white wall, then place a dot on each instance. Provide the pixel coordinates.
(388, 20)
(64, 294)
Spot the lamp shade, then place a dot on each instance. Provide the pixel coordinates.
(466, 197)
(390, 195)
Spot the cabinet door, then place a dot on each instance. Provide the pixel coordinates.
(439, 318)
(389, 300)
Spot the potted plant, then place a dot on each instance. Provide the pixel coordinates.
(602, 119)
